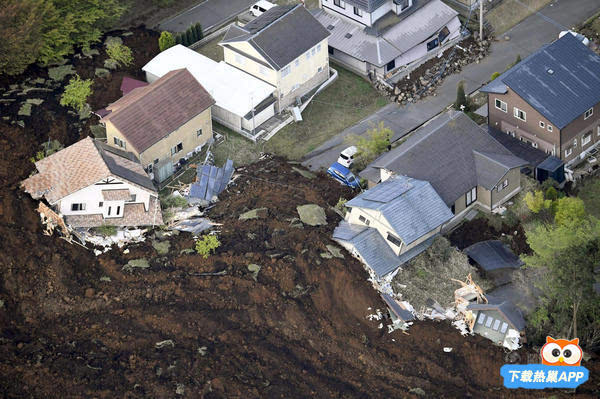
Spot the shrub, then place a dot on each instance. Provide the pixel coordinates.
(173, 201)
(198, 30)
(106, 230)
(165, 41)
(551, 194)
(536, 202)
(207, 244)
(178, 39)
(495, 75)
(461, 102)
(189, 37)
(120, 53)
(76, 93)
(340, 206)
(376, 142)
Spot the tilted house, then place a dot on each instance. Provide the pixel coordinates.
(242, 102)
(391, 223)
(285, 47)
(550, 100)
(92, 184)
(463, 163)
(163, 122)
(500, 321)
(376, 37)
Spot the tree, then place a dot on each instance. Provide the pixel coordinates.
(120, 53)
(198, 30)
(189, 37)
(76, 93)
(494, 75)
(165, 41)
(461, 102)
(570, 211)
(536, 202)
(376, 142)
(551, 194)
(178, 39)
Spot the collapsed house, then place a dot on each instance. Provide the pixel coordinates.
(210, 182)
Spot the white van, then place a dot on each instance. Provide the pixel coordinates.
(261, 7)
(347, 156)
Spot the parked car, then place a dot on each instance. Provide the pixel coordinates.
(261, 7)
(346, 157)
(343, 175)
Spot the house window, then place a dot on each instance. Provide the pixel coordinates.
(568, 151)
(330, 50)
(534, 144)
(598, 129)
(150, 168)
(472, 196)
(503, 185)
(503, 328)
(308, 55)
(118, 210)
(575, 143)
(78, 207)
(364, 220)
(501, 105)
(588, 113)
(198, 132)
(433, 44)
(296, 64)
(109, 209)
(394, 240)
(444, 33)
(481, 318)
(319, 48)
(132, 198)
(404, 5)
(586, 139)
(285, 71)
(542, 124)
(496, 325)
(489, 321)
(313, 51)
(176, 149)
(100, 204)
(239, 59)
(119, 142)
(520, 114)
(357, 11)
(319, 69)
(390, 65)
(339, 3)
(549, 128)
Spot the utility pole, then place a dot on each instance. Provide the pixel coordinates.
(480, 19)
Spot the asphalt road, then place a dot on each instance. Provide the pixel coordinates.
(209, 13)
(525, 38)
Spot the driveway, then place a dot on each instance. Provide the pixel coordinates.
(525, 38)
(210, 13)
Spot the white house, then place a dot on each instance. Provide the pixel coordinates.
(243, 102)
(92, 184)
(376, 37)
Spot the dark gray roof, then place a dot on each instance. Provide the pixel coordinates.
(280, 35)
(211, 181)
(518, 148)
(400, 312)
(509, 310)
(452, 153)
(111, 157)
(493, 255)
(560, 80)
(551, 164)
(410, 206)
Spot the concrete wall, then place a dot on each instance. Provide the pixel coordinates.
(91, 196)
(259, 118)
(226, 118)
(349, 62)
(186, 134)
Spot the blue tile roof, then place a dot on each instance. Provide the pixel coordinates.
(560, 80)
(411, 207)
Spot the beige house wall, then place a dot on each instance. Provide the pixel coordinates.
(186, 134)
(514, 183)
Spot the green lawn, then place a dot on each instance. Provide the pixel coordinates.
(235, 147)
(347, 101)
(589, 192)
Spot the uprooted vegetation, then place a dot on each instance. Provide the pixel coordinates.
(431, 274)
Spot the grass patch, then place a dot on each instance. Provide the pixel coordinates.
(235, 147)
(589, 192)
(106, 230)
(212, 49)
(510, 13)
(347, 101)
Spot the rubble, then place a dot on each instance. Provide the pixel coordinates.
(312, 214)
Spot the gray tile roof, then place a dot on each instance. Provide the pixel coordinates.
(560, 80)
(509, 310)
(518, 148)
(367, 5)
(280, 35)
(125, 165)
(551, 164)
(492, 255)
(378, 45)
(452, 153)
(411, 207)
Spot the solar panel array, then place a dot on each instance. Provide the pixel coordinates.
(211, 181)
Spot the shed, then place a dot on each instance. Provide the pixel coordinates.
(551, 167)
(495, 259)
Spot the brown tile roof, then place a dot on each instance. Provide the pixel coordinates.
(148, 114)
(116, 195)
(133, 215)
(78, 166)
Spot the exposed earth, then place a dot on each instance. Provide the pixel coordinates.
(76, 325)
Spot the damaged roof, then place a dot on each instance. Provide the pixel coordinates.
(560, 80)
(280, 35)
(509, 310)
(411, 207)
(211, 181)
(493, 255)
(452, 153)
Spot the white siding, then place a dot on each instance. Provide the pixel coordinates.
(259, 118)
(348, 12)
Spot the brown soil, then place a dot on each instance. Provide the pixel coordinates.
(479, 229)
(300, 330)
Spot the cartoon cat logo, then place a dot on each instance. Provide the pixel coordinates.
(561, 352)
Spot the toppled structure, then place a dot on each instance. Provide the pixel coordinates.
(210, 182)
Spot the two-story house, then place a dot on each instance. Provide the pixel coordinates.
(92, 184)
(376, 37)
(285, 47)
(391, 223)
(161, 123)
(550, 100)
(465, 165)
